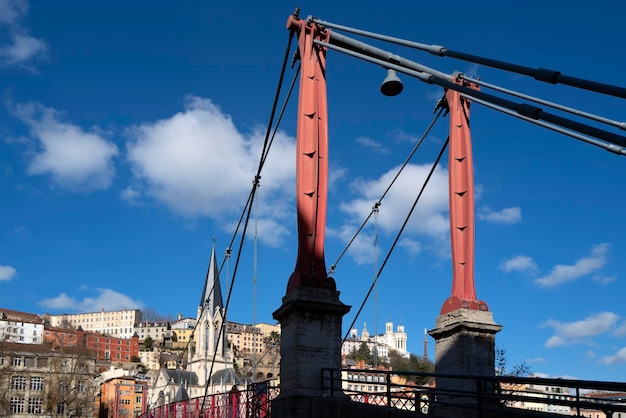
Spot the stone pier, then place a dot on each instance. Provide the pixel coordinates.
(310, 320)
(464, 345)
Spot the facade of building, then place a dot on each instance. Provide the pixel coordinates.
(118, 324)
(20, 327)
(245, 338)
(123, 396)
(150, 358)
(541, 398)
(36, 380)
(268, 329)
(182, 332)
(207, 367)
(381, 344)
(159, 332)
(210, 350)
(105, 347)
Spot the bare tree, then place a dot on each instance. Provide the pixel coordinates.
(66, 324)
(151, 315)
(72, 385)
(5, 384)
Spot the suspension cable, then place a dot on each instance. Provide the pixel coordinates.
(431, 76)
(601, 119)
(616, 149)
(246, 214)
(539, 74)
(406, 221)
(376, 209)
(440, 107)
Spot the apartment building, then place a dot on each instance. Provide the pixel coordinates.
(123, 396)
(540, 397)
(123, 350)
(245, 338)
(118, 324)
(182, 332)
(160, 332)
(20, 327)
(37, 380)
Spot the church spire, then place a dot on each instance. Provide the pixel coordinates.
(212, 293)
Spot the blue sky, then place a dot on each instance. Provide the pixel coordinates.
(131, 131)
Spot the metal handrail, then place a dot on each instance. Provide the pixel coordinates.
(489, 392)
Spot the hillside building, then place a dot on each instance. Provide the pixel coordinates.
(123, 350)
(20, 327)
(118, 324)
(36, 380)
(380, 344)
(123, 396)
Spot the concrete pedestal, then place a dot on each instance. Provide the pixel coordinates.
(310, 321)
(464, 345)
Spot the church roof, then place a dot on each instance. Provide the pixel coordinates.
(227, 377)
(182, 377)
(212, 292)
(181, 394)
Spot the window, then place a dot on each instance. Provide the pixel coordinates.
(17, 361)
(17, 405)
(81, 387)
(29, 361)
(18, 383)
(34, 406)
(61, 408)
(36, 383)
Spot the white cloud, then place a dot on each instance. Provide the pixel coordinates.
(604, 279)
(555, 341)
(198, 164)
(505, 216)
(411, 246)
(620, 331)
(619, 357)
(22, 48)
(361, 249)
(131, 196)
(369, 143)
(518, 263)
(582, 267)
(430, 216)
(7, 273)
(567, 333)
(107, 299)
(76, 160)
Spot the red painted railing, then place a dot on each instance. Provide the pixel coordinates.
(252, 402)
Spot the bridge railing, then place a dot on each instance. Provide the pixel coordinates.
(252, 402)
(419, 393)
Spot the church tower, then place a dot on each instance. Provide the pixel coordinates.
(209, 326)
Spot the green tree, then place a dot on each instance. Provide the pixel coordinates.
(412, 364)
(148, 343)
(364, 353)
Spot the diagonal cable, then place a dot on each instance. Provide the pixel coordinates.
(379, 201)
(406, 220)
